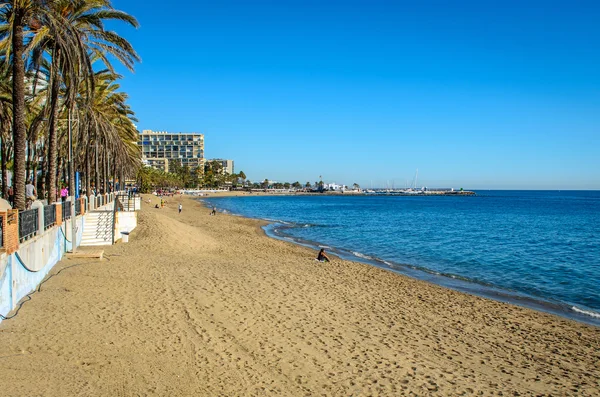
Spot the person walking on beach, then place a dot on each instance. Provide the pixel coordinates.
(214, 211)
(322, 257)
(180, 208)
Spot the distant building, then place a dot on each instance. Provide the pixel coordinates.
(159, 164)
(227, 165)
(160, 147)
(334, 187)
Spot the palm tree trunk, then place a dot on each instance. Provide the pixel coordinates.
(52, 135)
(27, 160)
(34, 166)
(88, 183)
(72, 187)
(122, 180)
(105, 174)
(43, 169)
(43, 176)
(5, 153)
(59, 167)
(97, 170)
(3, 166)
(18, 97)
(64, 172)
(114, 175)
(102, 171)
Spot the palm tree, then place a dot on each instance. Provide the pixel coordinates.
(107, 129)
(17, 31)
(74, 36)
(87, 25)
(62, 38)
(34, 122)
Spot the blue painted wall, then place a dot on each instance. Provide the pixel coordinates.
(16, 281)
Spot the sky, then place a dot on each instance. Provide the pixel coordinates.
(473, 94)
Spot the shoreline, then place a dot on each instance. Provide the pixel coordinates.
(464, 285)
(564, 310)
(196, 304)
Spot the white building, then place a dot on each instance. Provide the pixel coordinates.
(334, 187)
(226, 164)
(160, 147)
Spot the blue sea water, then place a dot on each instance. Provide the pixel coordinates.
(540, 249)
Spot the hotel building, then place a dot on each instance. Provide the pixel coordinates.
(227, 165)
(160, 147)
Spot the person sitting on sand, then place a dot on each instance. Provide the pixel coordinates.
(322, 257)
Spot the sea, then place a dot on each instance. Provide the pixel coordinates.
(538, 249)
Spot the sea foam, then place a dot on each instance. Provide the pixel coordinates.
(586, 312)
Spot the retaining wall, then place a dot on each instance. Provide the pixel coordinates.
(24, 265)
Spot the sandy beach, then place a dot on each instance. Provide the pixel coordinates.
(200, 305)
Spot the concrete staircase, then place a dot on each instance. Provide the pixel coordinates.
(97, 228)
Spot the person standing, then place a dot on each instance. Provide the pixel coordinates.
(180, 208)
(30, 192)
(64, 193)
(11, 196)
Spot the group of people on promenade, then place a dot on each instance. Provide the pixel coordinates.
(31, 193)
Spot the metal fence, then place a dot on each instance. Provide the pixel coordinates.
(127, 201)
(49, 216)
(28, 223)
(66, 210)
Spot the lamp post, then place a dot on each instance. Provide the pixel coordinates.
(72, 187)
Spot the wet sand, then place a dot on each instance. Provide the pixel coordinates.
(207, 305)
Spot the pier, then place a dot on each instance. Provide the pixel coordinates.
(421, 192)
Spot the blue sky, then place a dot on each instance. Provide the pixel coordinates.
(480, 95)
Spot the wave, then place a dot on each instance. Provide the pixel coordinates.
(363, 256)
(585, 312)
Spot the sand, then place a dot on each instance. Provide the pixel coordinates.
(203, 305)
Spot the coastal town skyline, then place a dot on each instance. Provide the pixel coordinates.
(474, 96)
